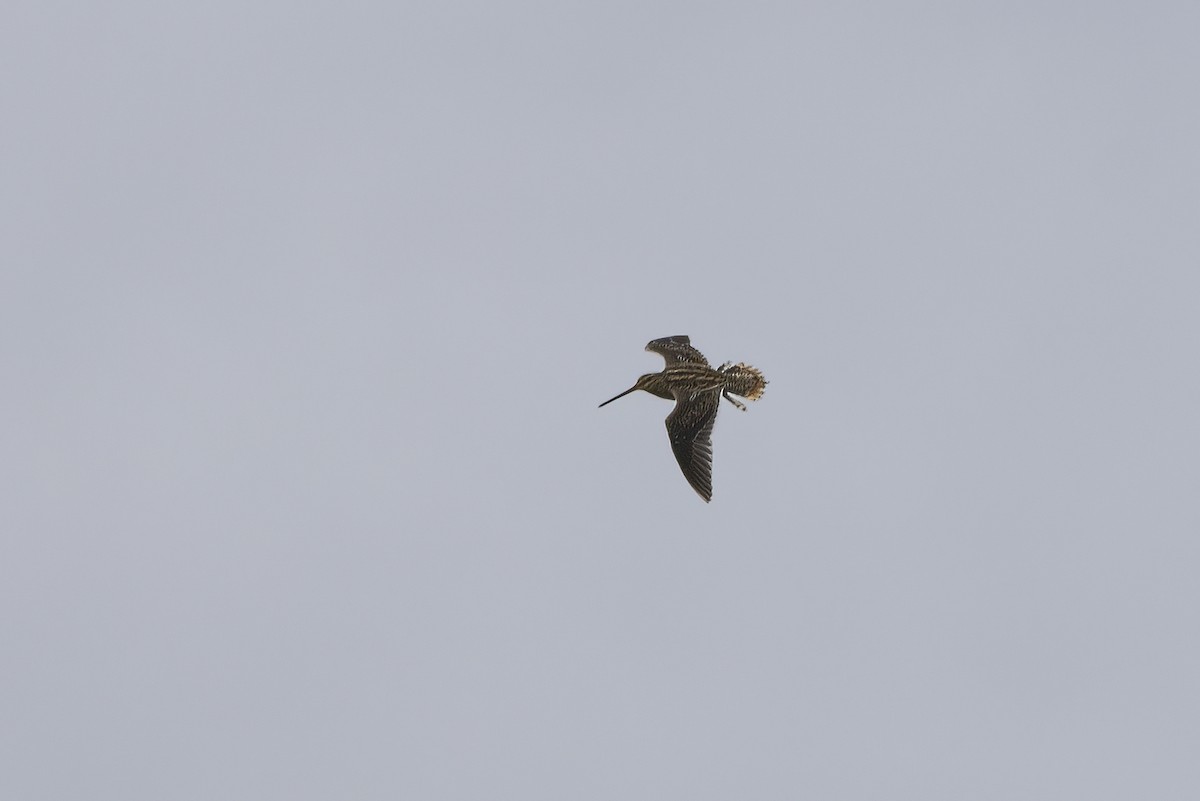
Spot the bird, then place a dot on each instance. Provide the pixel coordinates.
(697, 389)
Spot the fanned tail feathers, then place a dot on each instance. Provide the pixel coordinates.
(744, 380)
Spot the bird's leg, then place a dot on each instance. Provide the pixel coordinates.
(728, 397)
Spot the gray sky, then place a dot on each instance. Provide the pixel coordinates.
(305, 314)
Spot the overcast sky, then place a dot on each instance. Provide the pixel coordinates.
(306, 309)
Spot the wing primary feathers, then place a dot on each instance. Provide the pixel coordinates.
(689, 427)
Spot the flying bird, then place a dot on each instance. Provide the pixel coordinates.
(697, 389)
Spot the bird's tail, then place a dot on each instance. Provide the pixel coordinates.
(744, 380)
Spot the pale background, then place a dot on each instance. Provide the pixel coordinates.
(305, 311)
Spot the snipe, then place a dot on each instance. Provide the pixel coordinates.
(697, 389)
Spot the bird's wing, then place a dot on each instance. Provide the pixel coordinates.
(689, 427)
(677, 350)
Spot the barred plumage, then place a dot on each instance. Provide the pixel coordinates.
(744, 380)
(697, 389)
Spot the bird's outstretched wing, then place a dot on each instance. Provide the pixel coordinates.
(689, 427)
(677, 350)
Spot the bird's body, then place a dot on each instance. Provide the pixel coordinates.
(697, 389)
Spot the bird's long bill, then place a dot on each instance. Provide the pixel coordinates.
(623, 394)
